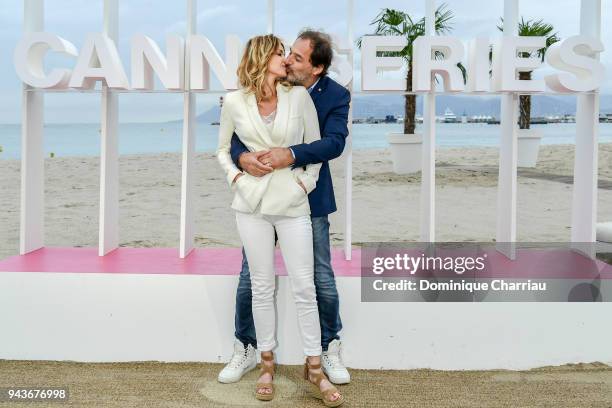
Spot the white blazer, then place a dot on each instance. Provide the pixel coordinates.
(278, 192)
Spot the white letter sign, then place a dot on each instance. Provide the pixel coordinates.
(99, 60)
(371, 65)
(423, 72)
(573, 55)
(29, 57)
(203, 54)
(147, 58)
(506, 64)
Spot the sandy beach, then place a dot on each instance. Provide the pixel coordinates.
(386, 208)
(385, 205)
(186, 385)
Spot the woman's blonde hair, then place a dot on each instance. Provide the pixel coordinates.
(254, 64)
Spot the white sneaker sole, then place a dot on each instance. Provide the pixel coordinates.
(335, 380)
(236, 379)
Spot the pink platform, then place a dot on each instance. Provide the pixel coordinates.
(201, 261)
(530, 263)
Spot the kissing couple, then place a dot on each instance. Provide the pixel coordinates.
(277, 134)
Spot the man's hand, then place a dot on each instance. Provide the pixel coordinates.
(251, 163)
(278, 157)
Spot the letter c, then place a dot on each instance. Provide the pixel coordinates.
(29, 60)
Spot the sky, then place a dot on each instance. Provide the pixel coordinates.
(73, 19)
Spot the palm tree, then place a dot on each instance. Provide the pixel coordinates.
(395, 22)
(531, 28)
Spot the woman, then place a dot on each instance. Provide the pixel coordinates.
(268, 112)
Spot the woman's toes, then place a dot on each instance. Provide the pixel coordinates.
(264, 391)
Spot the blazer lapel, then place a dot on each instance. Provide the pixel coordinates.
(319, 89)
(256, 118)
(279, 130)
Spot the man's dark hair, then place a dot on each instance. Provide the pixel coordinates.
(322, 51)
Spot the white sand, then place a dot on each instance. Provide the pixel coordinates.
(385, 205)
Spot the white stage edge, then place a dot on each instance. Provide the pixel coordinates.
(101, 317)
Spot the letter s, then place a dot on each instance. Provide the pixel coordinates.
(575, 56)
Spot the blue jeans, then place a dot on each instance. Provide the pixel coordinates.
(325, 284)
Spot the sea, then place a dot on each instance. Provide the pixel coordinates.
(138, 138)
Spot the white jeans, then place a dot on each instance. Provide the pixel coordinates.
(295, 239)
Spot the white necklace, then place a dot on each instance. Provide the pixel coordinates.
(269, 118)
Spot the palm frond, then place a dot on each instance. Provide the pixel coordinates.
(443, 19)
(535, 28)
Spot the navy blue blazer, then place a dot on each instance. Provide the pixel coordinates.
(332, 103)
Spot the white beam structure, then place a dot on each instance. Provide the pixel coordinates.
(506, 184)
(189, 134)
(584, 200)
(108, 238)
(271, 12)
(584, 204)
(32, 205)
(428, 172)
(348, 148)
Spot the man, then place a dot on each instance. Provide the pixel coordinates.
(307, 65)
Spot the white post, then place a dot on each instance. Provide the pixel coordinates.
(32, 217)
(506, 185)
(584, 200)
(108, 238)
(348, 148)
(188, 158)
(428, 172)
(271, 13)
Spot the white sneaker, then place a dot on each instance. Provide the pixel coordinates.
(243, 361)
(332, 365)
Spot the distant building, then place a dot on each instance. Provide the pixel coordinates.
(481, 119)
(390, 119)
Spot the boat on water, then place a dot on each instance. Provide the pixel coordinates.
(449, 116)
